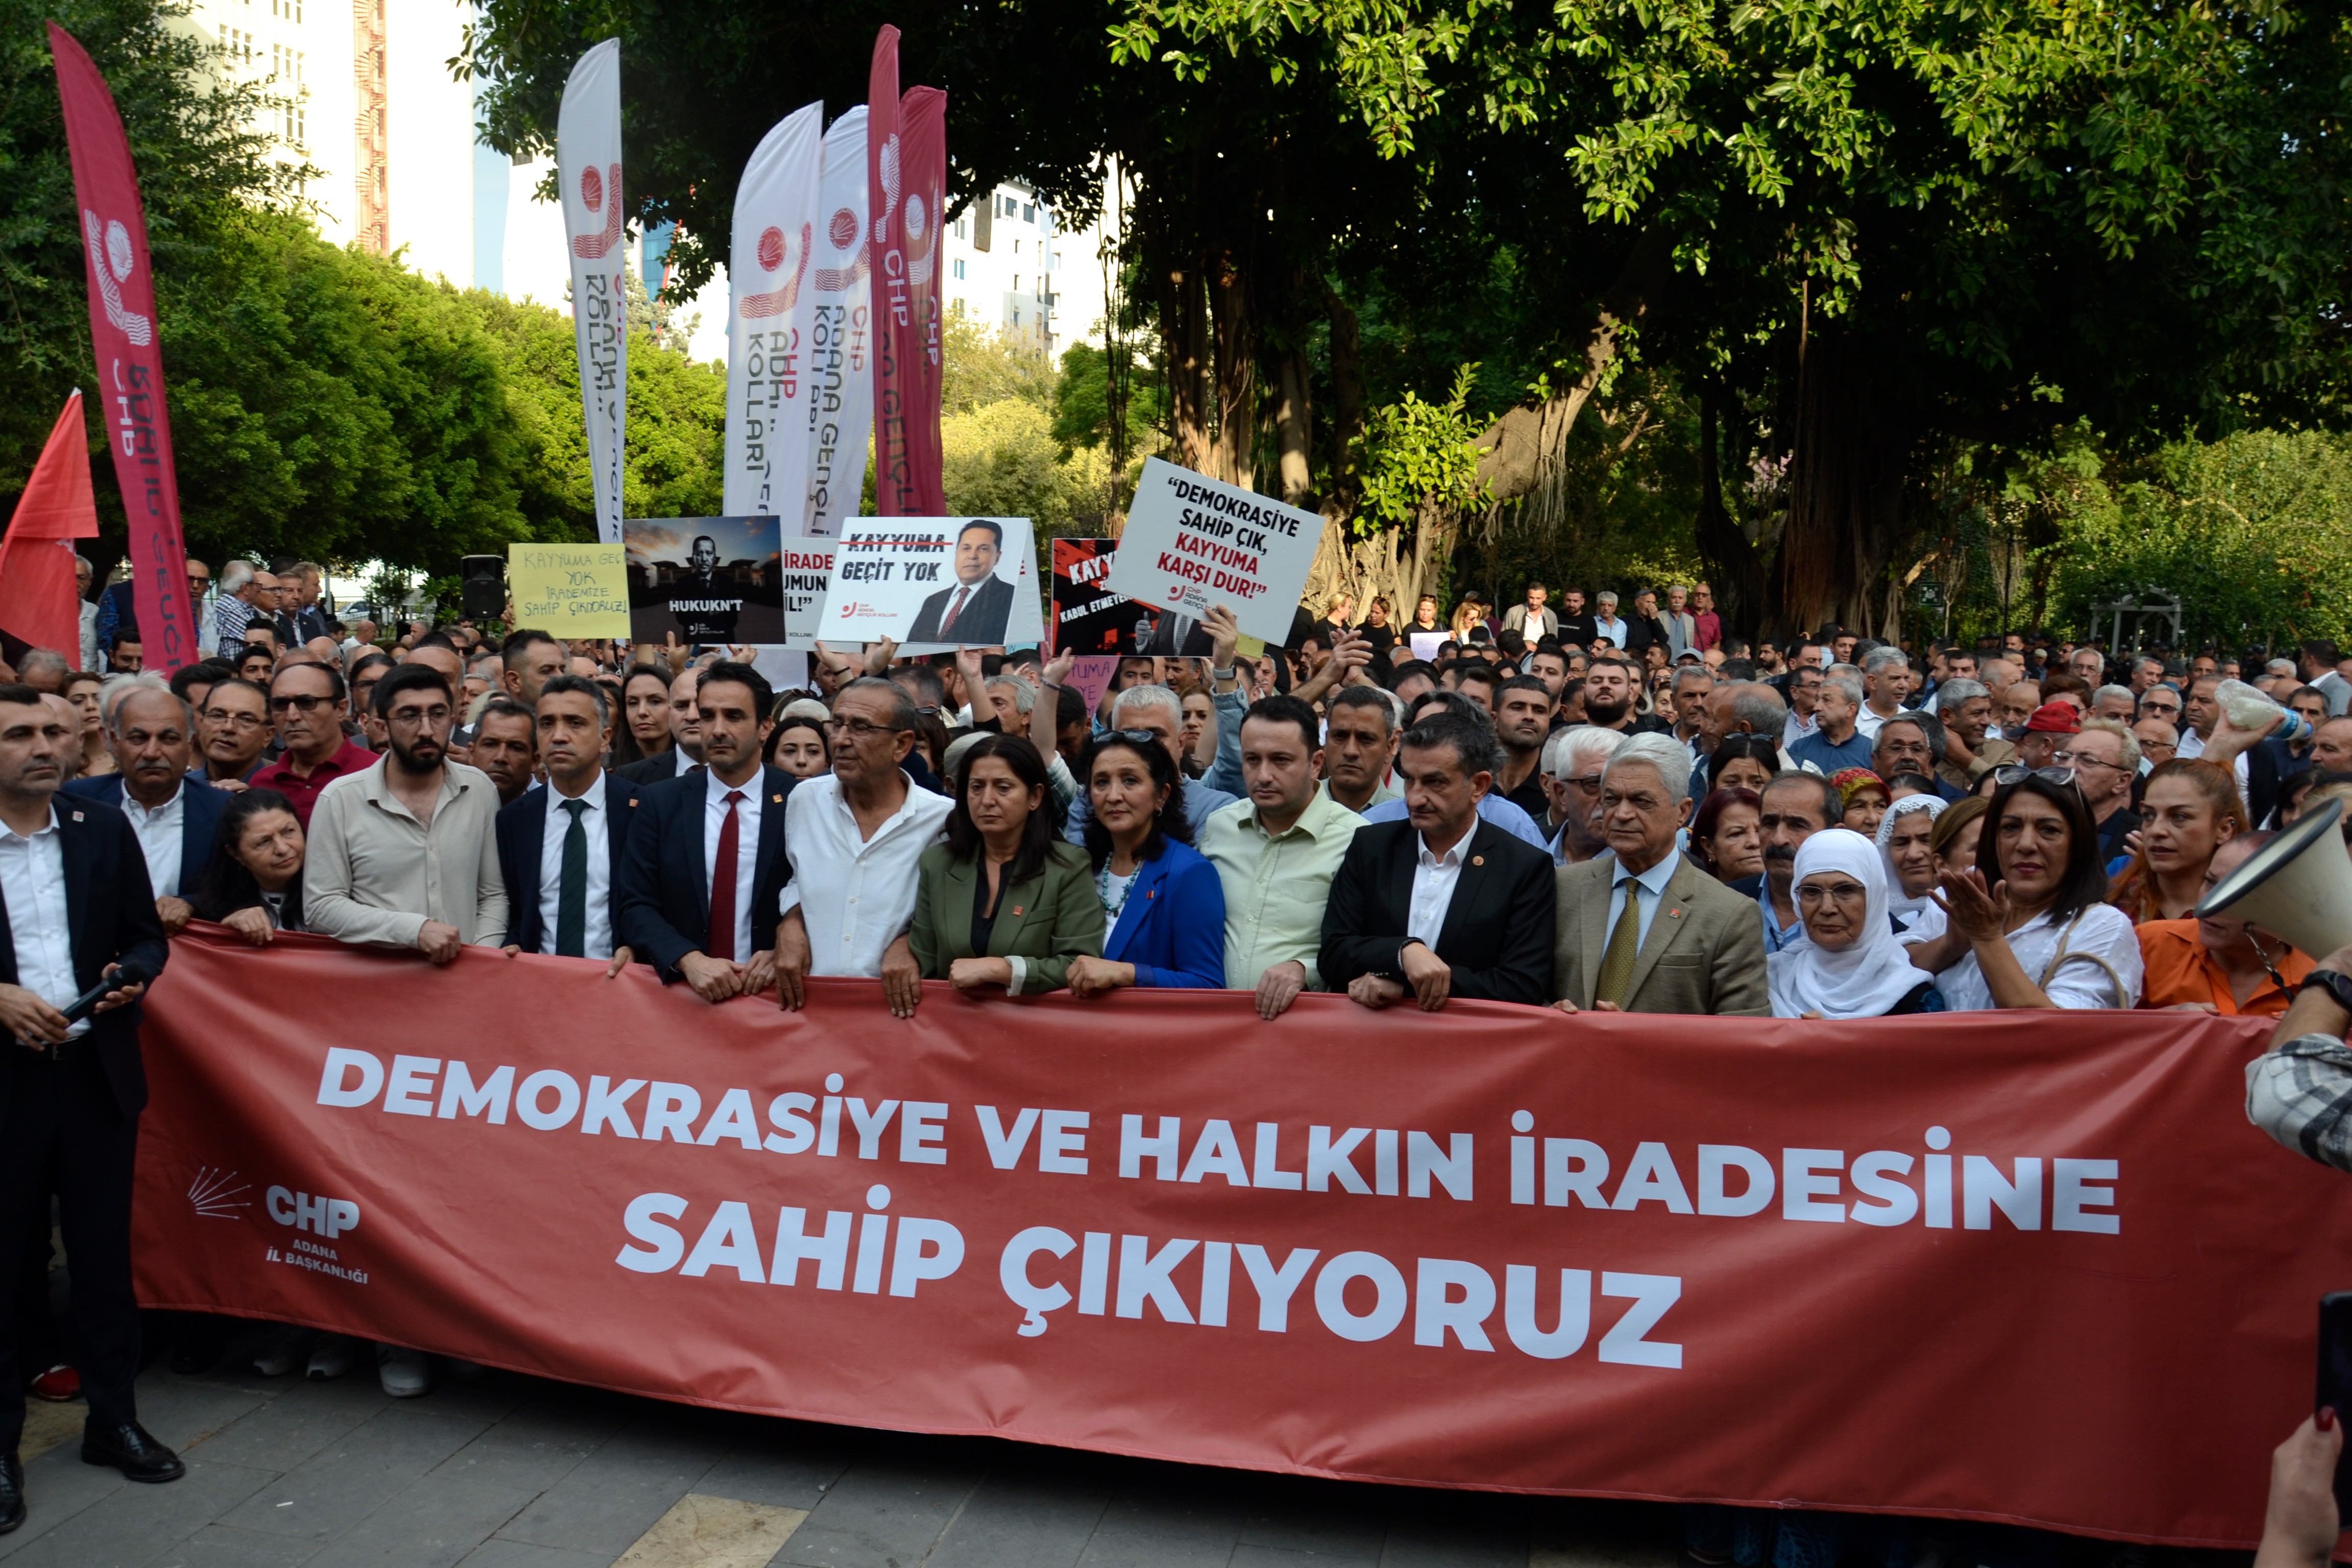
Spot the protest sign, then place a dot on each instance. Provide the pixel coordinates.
(1088, 618)
(571, 591)
(711, 580)
(935, 583)
(1939, 1265)
(1426, 644)
(1193, 543)
(807, 567)
(1091, 675)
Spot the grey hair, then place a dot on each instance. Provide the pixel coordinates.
(902, 707)
(1664, 753)
(1930, 728)
(1758, 706)
(1880, 659)
(236, 575)
(1025, 696)
(1137, 697)
(41, 659)
(84, 562)
(1578, 746)
(1606, 596)
(1958, 692)
(1842, 676)
(2112, 689)
(2121, 731)
(117, 689)
(1700, 670)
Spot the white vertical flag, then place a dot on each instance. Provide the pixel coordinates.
(588, 167)
(840, 334)
(768, 384)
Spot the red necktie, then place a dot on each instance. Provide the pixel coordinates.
(721, 945)
(954, 610)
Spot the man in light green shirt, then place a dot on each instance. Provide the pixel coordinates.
(1275, 853)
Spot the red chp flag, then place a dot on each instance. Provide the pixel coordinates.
(906, 165)
(39, 606)
(130, 358)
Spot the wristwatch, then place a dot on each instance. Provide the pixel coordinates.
(2338, 986)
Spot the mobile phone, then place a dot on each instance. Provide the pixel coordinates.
(2336, 1381)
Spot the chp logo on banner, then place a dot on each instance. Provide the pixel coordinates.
(840, 333)
(1193, 543)
(588, 168)
(904, 191)
(767, 383)
(114, 225)
(1088, 618)
(931, 584)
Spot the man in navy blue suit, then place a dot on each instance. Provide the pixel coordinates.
(75, 905)
(560, 848)
(706, 866)
(176, 818)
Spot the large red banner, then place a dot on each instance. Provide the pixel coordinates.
(2038, 1271)
(123, 328)
(906, 177)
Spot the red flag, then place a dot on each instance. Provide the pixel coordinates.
(114, 228)
(907, 480)
(39, 604)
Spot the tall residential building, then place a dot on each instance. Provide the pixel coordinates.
(1012, 266)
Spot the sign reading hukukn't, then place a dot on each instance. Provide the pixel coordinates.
(1193, 543)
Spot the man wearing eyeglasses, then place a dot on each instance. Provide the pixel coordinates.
(852, 837)
(234, 732)
(308, 701)
(2105, 759)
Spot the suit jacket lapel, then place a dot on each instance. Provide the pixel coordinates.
(1402, 861)
(695, 804)
(1015, 907)
(80, 855)
(1138, 907)
(1665, 924)
(1469, 887)
(955, 912)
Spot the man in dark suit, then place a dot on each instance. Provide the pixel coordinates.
(704, 866)
(1444, 903)
(560, 848)
(685, 738)
(73, 882)
(980, 606)
(174, 817)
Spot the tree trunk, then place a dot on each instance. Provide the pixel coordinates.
(1845, 502)
(1736, 569)
(1347, 405)
(1293, 429)
(1235, 389)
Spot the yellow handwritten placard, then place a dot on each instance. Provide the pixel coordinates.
(570, 590)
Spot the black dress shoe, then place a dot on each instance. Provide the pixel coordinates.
(130, 1449)
(12, 1493)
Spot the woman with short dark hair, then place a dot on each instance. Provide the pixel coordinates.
(1004, 902)
(1161, 900)
(253, 883)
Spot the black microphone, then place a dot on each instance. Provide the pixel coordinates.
(130, 971)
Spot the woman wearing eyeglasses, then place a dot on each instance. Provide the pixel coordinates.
(2190, 809)
(2027, 927)
(1004, 902)
(1161, 900)
(1847, 964)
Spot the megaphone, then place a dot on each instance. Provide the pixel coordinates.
(2298, 885)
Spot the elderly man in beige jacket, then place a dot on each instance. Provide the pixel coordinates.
(1642, 929)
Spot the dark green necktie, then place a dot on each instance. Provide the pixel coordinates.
(572, 895)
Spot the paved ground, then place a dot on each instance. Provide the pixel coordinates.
(508, 1472)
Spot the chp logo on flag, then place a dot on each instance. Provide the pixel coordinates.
(841, 232)
(593, 193)
(122, 256)
(773, 247)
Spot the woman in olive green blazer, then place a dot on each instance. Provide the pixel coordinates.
(1004, 902)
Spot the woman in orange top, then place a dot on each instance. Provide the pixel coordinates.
(2219, 964)
(2189, 808)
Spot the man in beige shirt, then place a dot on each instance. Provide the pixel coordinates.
(403, 852)
(1275, 853)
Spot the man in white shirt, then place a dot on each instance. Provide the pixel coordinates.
(558, 847)
(853, 837)
(1886, 680)
(151, 734)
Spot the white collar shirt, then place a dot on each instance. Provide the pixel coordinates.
(855, 894)
(1434, 878)
(160, 834)
(596, 929)
(32, 881)
(1652, 883)
(747, 847)
(680, 763)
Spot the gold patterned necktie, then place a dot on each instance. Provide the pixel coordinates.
(1624, 942)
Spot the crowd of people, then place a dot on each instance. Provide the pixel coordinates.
(1614, 809)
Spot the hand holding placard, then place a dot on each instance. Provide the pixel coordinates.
(1192, 543)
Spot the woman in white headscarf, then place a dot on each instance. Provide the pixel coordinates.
(1911, 868)
(1847, 964)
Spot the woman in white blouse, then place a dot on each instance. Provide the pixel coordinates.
(2028, 926)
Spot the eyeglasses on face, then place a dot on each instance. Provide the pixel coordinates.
(858, 728)
(234, 721)
(2019, 774)
(1810, 894)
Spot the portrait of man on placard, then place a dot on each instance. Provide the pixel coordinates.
(978, 607)
(712, 580)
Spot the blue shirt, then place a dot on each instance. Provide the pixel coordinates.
(1493, 807)
(1776, 935)
(1815, 748)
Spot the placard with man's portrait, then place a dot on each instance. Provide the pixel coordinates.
(714, 581)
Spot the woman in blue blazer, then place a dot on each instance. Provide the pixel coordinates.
(1162, 903)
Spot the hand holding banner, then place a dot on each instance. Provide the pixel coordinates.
(1193, 543)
